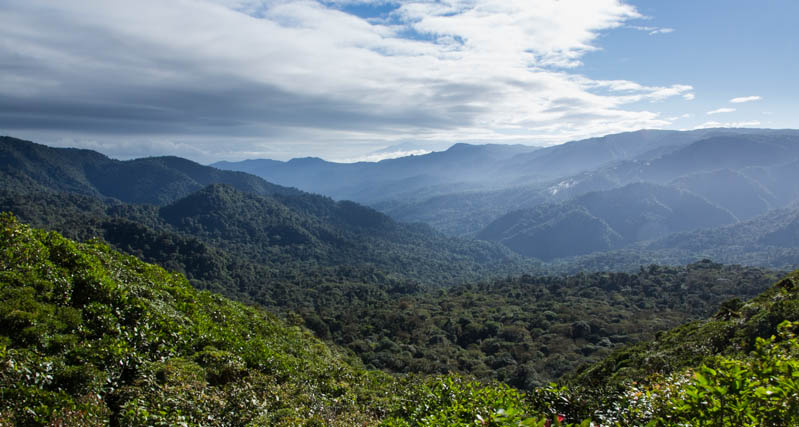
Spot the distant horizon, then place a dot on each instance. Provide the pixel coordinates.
(211, 80)
(375, 158)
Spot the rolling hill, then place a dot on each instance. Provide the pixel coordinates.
(243, 214)
(155, 180)
(461, 190)
(603, 221)
(91, 336)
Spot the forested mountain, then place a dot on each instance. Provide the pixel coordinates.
(724, 152)
(283, 238)
(283, 228)
(736, 368)
(742, 195)
(732, 331)
(364, 281)
(652, 185)
(722, 180)
(461, 194)
(481, 165)
(93, 337)
(528, 331)
(156, 180)
(604, 220)
(766, 240)
(226, 241)
(462, 166)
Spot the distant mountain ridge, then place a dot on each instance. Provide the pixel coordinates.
(463, 189)
(768, 240)
(366, 182)
(156, 180)
(605, 220)
(249, 218)
(510, 165)
(622, 193)
(582, 197)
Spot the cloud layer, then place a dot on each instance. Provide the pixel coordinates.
(745, 99)
(277, 78)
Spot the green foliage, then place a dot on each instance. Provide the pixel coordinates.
(29, 166)
(525, 331)
(761, 388)
(89, 336)
(453, 401)
(92, 335)
(231, 241)
(528, 331)
(733, 332)
(456, 401)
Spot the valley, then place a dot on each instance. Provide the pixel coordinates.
(515, 306)
(399, 213)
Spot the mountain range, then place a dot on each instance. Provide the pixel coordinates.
(594, 196)
(269, 224)
(92, 336)
(638, 197)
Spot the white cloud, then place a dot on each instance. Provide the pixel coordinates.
(713, 124)
(720, 111)
(652, 30)
(689, 96)
(376, 157)
(745, 99)
(683, 116)
(237, 77)
(661, 31)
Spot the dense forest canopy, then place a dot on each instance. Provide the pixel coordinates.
(93, 337)
(354, 318)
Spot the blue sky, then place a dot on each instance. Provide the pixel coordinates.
(344, 79)
(724, 49)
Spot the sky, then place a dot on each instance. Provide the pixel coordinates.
(349, 80)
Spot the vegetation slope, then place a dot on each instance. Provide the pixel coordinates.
(739, 367)
(93, 337)
(526, 330)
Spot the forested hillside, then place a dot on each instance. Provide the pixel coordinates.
(768, 240)
(610, 203)
(603, 221)
(399, 213)
(155, 180)
(395, 325)
(285, 238)
(463, 189)
(93, 337)
(396, 295)
(737, 368)
(597, 220)
(285, 229)
(528, 331)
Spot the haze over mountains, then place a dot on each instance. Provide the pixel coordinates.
(393, 296)
(579, 198)
(266, 223)
(600, 204)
